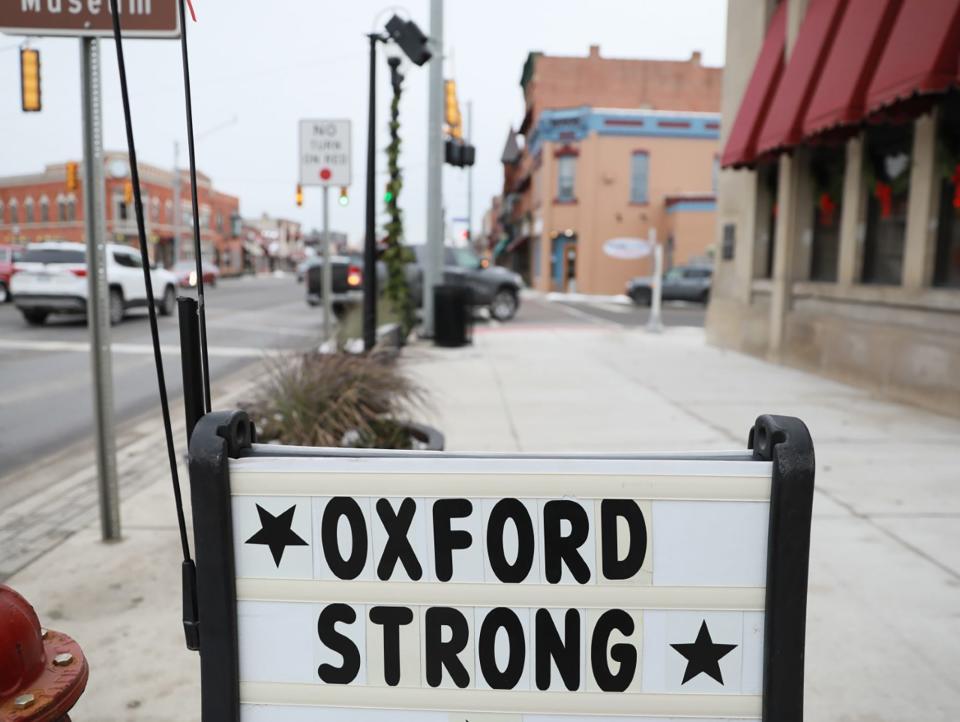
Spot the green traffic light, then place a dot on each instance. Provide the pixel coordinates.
(387, 197)
(344, 200)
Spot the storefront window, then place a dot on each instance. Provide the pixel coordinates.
(826, 168)
(766, 218)
(887, 175)
(946, 269)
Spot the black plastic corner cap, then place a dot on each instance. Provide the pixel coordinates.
(770, 431)
(234, 427)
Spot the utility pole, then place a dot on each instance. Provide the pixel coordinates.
(98, 303)
(433, 270)
(470, 177)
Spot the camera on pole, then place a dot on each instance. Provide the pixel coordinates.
(410, 38)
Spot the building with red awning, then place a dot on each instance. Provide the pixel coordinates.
(839, 200)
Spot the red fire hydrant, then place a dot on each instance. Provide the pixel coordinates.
(42, 672)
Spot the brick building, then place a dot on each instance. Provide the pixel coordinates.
(839, 204)
(40, 207)
(609, 150)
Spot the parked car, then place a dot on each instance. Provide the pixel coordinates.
(186, 273)
(495, 287)
(682, 283)
(8, 256)
(51, 277)
(347, 281)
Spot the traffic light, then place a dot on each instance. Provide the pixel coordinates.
(452, 110)
(73, 181)
(128, 192)
(388, 196)
(299, 196)
(30, 80)
(344, 199)
(459, 154)
(410, 38)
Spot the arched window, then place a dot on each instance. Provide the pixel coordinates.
(28, 208)
(44, 209)
(169, 211)
(2, 218)
(155, 208)
(14, 212)
(61, 208)
(71, 207)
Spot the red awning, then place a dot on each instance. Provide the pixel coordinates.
(849, 66)
(783, 127)
(921, 55)
(742, 144)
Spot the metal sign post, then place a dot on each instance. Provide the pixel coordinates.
(326, 160)
(327, 270)
(98, 302)
(655, 323)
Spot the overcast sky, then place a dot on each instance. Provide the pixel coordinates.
(270, 63)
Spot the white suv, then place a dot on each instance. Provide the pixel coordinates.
(51, 277)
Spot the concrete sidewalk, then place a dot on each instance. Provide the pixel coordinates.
(884, 612)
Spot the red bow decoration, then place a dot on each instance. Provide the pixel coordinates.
(956, 186)
(827, 208)
(884, 193)
(193, 14)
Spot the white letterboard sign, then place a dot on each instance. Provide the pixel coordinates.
(498, 589)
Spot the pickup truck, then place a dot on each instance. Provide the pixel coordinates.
(494, 287)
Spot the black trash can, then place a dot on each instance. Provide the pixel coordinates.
(452, 316)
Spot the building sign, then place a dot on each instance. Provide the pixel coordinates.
(141, 18)
(325, 152)
(627, 248)
(501, 589)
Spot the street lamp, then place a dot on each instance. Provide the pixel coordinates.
(413, 43)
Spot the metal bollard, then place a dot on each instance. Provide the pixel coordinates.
(42, 672)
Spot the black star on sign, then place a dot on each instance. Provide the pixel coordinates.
(276, 533)
(703, 655)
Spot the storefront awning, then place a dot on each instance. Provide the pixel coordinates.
(501, 246)
(841, 87)
(921, 55)
(783, 127)
(741, 145)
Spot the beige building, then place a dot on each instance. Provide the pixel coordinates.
(613, 152)
(839, 203)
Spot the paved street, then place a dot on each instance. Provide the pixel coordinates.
(45, 394)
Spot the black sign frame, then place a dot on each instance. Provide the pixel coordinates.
(219, 436)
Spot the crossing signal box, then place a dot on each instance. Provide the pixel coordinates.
(452, 110)
(30, 80)
(299, 196)
(73, 181)
(128, 192)
(344, 199)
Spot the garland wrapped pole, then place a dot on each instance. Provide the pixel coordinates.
(397, 255)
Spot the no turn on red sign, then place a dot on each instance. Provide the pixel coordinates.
(325, 153)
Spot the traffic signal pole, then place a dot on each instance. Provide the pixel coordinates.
(370, 242)
(98, 303)
(432, 272)
(469, 135)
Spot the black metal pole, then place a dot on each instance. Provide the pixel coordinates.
(370, 242)
(191, 363)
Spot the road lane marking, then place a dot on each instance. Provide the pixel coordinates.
(128, 348)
